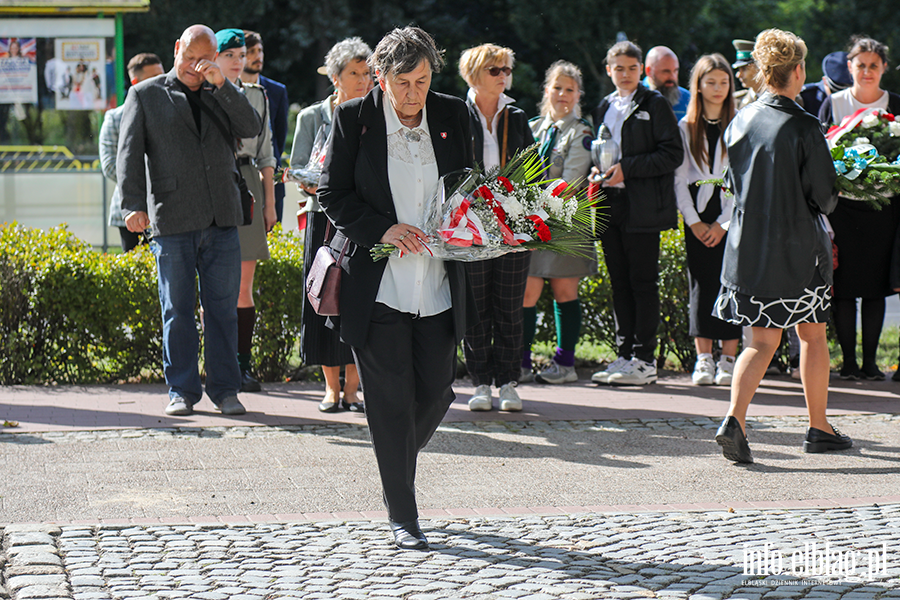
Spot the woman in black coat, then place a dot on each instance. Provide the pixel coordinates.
(499, 130)
(777, 270)
(404, 316)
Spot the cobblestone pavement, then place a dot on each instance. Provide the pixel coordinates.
(575, 549)
(706, 555)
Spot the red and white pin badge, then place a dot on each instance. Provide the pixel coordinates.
(444, 135)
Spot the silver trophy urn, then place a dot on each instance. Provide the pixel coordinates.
(604, 152)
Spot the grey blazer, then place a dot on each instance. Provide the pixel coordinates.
(193, 177)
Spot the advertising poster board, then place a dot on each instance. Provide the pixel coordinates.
(80, 74)
(18, 71)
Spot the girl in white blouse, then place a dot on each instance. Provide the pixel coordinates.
(706, 211)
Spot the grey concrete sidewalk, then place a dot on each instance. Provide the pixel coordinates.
(284, 473)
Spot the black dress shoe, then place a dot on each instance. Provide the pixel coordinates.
(896, 375)
(249, 382)
(329, 407)
(821, 441)
(408, 536)
(733, 441)
(357, 407)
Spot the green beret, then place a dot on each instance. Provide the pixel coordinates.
(230, 38)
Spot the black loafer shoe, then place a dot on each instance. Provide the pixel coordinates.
(249, 382)
(408, 536)
(820, 441)
(329, 407)
(357, 407)
(733, 441)
(896, 375)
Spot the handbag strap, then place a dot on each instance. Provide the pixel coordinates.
(505, 135)
(218, 123)
(329, 229)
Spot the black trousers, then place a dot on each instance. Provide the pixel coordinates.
(407, 368)
(632, 260)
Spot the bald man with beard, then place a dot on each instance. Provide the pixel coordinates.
(179, 123)
(661, 67)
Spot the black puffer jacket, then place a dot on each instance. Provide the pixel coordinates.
(651, 151)
(782, 177)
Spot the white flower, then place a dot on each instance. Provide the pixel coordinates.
(894, 128)
(512, 207)
(870, 120)
(861, 140)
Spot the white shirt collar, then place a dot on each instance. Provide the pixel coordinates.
(393, 121)
(620, 101)
(504, 101)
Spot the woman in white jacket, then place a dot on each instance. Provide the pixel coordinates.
(706, 212)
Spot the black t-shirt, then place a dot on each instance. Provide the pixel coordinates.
(195, 106)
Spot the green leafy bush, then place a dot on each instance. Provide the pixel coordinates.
(278, 297)
(69, 314)
(72, 315)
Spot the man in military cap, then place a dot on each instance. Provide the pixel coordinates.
(836, 77)
(746, 73)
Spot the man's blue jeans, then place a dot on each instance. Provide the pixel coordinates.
(214, 254)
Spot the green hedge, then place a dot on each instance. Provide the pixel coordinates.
(69, 314)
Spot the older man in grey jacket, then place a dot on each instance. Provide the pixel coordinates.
(192, 209)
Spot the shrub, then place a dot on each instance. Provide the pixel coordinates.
(71, 315)
(279, 295)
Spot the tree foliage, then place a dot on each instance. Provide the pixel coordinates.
(298, 33)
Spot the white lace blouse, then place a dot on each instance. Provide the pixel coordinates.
(415, 283)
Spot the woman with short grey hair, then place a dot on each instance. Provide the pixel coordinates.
(342, 54)
(403, 316)
(345, 65)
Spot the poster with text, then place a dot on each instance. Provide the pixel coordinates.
(80, 74)
(18, 71)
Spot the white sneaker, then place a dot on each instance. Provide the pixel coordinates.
(613, 367)
(556, 373)
(724, 371)
(526, 375)
(636, 372)
(481, 399)
(704, 371)
(509, 398)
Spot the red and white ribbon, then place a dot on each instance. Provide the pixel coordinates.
(463, 227)
(849, 123)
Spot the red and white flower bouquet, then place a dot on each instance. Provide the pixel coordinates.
(477, 216)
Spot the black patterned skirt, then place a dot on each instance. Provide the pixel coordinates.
(812, 306)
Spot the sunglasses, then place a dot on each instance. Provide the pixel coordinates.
(495, 71)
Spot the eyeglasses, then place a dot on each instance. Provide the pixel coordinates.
(495, 71)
